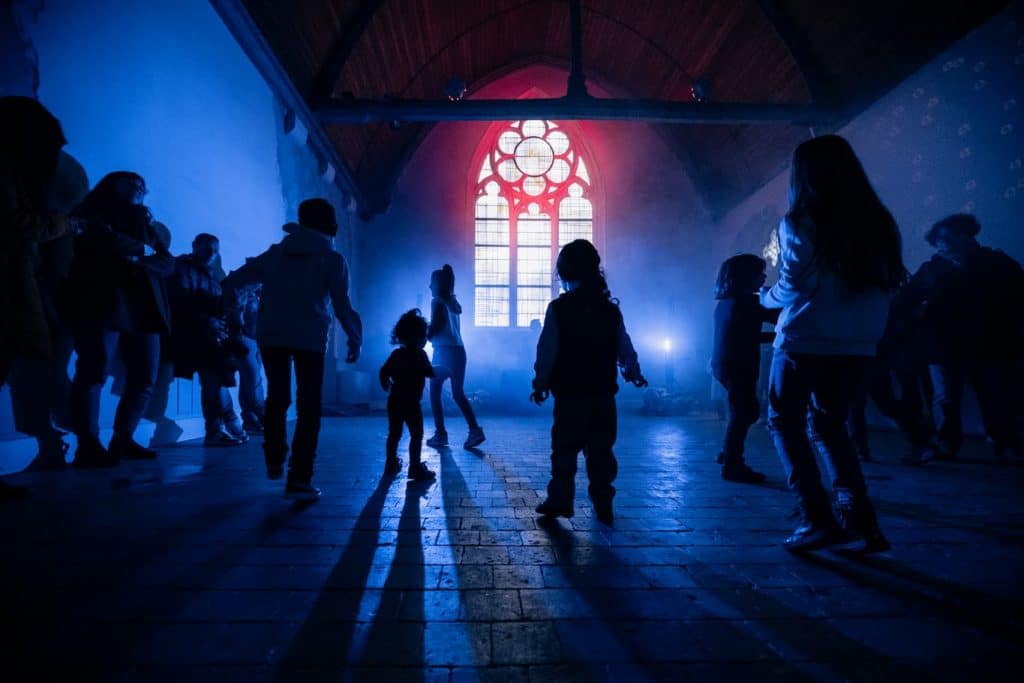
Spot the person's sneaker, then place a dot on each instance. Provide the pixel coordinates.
(438, 440)
(52, 454)
(475, 438)
(550, 509)
(235, 429)
(604, 513)
(742, 473)
(861, 534)
(129, 449)
(301, 491)
(420, 472)
(90, 454)
(166, 432)
(221, 438)
(10, 492)
(392, 466)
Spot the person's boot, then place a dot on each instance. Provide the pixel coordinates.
(861, 534)
(604, 512)
(740, 472)
(10, 492)
(52, 453)
(818, 529)
(419, 472)
(301, 491)
(548, 508)
(90, 454)
(126, 448)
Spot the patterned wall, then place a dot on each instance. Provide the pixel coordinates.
(947, 139)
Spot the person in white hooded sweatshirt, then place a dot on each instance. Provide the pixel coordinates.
(299, 275)
(841, 259)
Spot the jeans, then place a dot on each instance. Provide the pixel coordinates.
(744, 410)
(993, 385)
(408, 412)
(817, 388)
(95, 347)
(309, 377)
(41, 391)
(450, 363)
(156, 409)
(215, 400)
(251, 398)
(585, 423)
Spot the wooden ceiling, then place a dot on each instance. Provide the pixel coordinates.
(842, 53)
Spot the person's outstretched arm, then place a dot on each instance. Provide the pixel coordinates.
(629, 362)
(347, 316)
(249, 275)
(797, 272)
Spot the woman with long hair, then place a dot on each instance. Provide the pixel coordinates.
(115, 301)
(841, 258)
(445, 335)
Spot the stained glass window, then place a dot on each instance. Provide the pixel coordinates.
(532, 197)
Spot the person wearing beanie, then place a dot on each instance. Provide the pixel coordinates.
(968, 300)
(299, 276)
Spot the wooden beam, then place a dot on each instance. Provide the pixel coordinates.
(577, 80)
(819, 85)
(249, 37)
(571, 109)
(323, 85)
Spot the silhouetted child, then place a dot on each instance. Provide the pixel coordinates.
(582, 341)
(404, 375)
(736, 357)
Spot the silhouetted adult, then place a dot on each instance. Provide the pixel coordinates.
(115, 300)
(445, 335)
(299, 275)
(840, 259)
(30, 142)
(201, 342)
(970, 301)
(41, 387)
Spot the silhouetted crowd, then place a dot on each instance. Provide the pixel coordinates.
(90, 271)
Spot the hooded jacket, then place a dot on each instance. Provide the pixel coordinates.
(299, 275)
(445, 327)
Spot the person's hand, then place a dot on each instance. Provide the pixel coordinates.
(218, 330)
(538, 396)
(639, 381)
(353, 354)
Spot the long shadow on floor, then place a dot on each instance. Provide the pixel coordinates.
(395, 637)
(324, 642)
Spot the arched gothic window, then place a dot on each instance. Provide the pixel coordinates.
(533, 195)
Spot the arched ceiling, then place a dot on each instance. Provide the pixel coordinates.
(844, 54)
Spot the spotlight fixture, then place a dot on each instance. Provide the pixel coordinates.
(701, 90)
(455, 89)
(666, 344)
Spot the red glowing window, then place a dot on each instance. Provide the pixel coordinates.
(533, 196)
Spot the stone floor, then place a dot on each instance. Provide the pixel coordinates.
(194, 568)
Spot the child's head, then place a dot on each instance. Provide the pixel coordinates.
(579, 266)
(739, 275)
(442, 282)
(410, 330)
